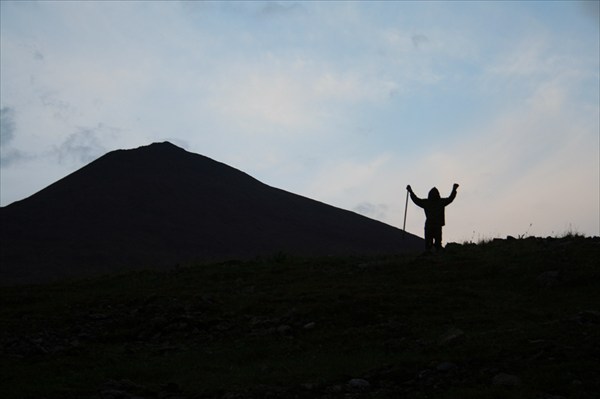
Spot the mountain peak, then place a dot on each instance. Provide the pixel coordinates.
(160, 205)
(157, 147)
(163, 145)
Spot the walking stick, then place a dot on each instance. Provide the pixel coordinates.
(405, 209)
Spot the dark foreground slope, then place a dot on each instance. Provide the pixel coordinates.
(508, 319)
(160, 205)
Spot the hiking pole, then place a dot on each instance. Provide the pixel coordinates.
(405, 209)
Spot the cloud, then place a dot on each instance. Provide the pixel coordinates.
(8, 154)
(83, 146)
(419, 40)
(7, 125)
(275, 8)
(11, 156)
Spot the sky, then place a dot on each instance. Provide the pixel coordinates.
(343, 102)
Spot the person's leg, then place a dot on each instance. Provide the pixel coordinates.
(428, 238)
(438, 238)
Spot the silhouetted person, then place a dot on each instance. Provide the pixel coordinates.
(434, 215)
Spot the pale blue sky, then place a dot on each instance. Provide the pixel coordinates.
(343, 102)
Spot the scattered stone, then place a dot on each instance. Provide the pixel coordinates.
(24, 347)
(588, 317)
(309, 326)
(427, 377)
(358, 384)
(548, 278)
(445, 367)
(424, 374)
(335, 389)
(309, 386)
(507, 380)
(451, 335)
(43, 343)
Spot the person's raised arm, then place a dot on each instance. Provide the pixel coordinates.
(452, 194)
(418, 201)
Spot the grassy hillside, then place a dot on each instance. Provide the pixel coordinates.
(504, 319)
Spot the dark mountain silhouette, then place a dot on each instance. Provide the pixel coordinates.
(159, 205)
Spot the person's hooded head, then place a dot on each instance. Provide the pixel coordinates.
(434, 194)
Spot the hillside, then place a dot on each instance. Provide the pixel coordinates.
(159, 206)
(504, 319)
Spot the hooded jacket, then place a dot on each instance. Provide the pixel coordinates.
(434, 206)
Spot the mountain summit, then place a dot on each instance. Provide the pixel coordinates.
(159, 205)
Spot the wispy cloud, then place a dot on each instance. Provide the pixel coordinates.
(7, 125)
(83, 146)
(275, 8)
(9, 155)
